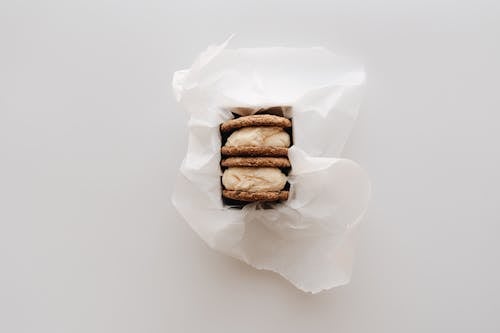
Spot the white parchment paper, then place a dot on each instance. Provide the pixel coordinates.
(309, 238)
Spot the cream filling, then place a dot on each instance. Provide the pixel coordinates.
(253, 179)
(259, 137)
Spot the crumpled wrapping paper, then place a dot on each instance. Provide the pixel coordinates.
(309, 239)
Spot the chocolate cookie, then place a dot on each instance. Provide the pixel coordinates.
(255, 120)
(254, 151)
(255, 196)
(276, 162)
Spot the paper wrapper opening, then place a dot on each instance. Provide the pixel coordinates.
(307, 239)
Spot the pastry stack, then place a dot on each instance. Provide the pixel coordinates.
(255, 158)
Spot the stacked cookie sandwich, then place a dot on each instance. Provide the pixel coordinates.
(255, 158)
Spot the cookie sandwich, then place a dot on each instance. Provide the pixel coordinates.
(255, 158)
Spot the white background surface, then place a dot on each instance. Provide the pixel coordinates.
(91, 141)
